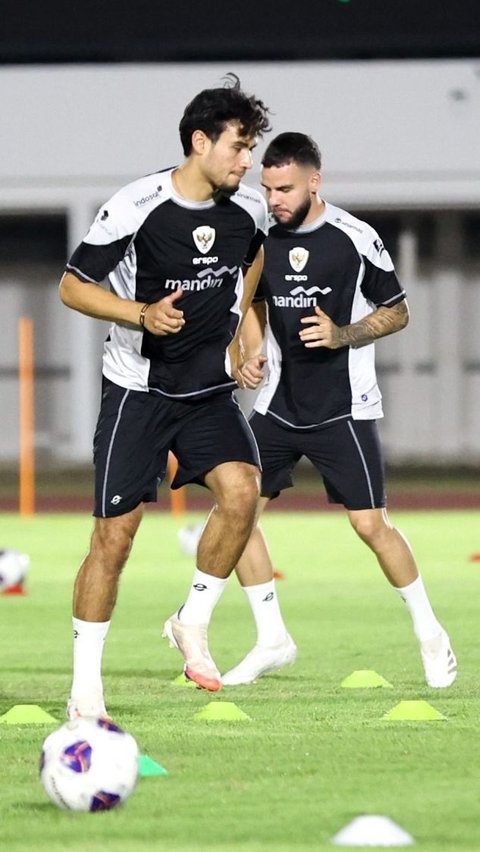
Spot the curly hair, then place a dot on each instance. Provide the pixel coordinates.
(212, 109)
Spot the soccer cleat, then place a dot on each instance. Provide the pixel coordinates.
(92, 707)
(261, 661)
(439, 661)
(191, 641)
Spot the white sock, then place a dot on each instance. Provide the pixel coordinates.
(263, 600)
(425, 623)
(204, 595)
(88, 642)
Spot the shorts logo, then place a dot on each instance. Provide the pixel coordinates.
(115, 500)
(204, 238)
(298, 257)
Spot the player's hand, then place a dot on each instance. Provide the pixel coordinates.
(320, 331)
(163, 317)
(252, 372)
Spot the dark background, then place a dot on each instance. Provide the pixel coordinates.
(216, 30)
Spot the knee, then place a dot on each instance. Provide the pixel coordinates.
(371, 527)
(250, 489)
(111, 544)
(242, 493)
(246, 493)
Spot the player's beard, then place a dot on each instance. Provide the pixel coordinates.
(297, 216)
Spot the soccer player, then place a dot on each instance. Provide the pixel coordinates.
(182, 252)
(330, 291)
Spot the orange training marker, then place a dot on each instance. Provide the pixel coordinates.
(27, 429)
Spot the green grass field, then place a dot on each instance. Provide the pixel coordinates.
(314, 755)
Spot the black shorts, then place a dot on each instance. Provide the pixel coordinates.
(136, 430)
(347, 454)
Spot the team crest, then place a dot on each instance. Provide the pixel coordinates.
(204, 238)
(298, 257)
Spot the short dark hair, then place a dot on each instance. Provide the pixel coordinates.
(212, 109)
(292, 148)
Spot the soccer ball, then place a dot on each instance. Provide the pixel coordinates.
(89, 765)
(188, 538)
(13, 568)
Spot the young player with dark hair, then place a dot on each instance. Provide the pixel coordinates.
(182, 252)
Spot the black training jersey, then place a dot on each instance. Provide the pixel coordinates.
(149, 242)
(340, 264)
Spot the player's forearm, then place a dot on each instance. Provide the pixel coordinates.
(380, 323)
(94, 301)
(253, 331)
(251, 279)
(247, 331)
(248, 343)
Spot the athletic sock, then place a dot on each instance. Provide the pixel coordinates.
(425, 623)
(88, 642)
(271, 630)
(204, 595)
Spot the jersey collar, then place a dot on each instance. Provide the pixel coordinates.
(312, 226)
(185, 202)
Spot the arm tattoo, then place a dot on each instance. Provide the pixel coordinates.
(383, 321)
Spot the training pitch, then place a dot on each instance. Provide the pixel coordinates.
(313, 755)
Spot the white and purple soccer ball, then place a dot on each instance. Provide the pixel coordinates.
(89, 765)
(13, 568)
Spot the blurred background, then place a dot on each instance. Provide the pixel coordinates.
(91, 98)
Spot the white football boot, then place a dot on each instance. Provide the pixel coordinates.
(439, 661)
(260, 661)
(191, 641)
